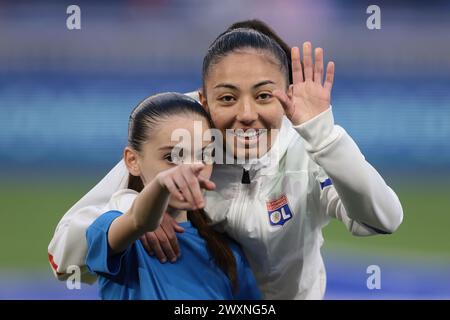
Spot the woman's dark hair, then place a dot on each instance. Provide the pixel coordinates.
(264, 28)
(241, 38)
(143, 119)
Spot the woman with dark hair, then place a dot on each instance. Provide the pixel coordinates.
(310, 170)
(164, 243)
(213, 267)
(265, 29)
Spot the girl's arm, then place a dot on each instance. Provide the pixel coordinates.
(147, 209)
(144, 215)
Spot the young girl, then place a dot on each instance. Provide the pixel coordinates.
(212, 267)
(275, 210)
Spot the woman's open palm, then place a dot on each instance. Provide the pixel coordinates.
(309, 95)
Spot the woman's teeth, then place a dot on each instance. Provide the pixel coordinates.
(249, 134)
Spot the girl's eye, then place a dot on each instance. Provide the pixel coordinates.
(175, 156)
(208, 155)
(168, 157)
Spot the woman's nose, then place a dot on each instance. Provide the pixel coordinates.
(247, 113)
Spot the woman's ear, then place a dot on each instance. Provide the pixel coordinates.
(202, 99)
(131, 157)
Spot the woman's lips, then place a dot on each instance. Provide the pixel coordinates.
(248, 137)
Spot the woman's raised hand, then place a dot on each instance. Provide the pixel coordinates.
(309, 95)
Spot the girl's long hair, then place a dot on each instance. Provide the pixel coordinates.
(142, 120)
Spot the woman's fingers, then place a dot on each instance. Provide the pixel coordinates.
(170, 226)
(310, 70)
(307, 60)
(297, 69)
(330, 76)
(318, 65)
(146, 245)
(163, 241)
(153, 241)
(171, 248)
(285, 101)
(165, 245)
(176, 226)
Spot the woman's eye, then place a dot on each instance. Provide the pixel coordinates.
(227, 99)
(264, 96)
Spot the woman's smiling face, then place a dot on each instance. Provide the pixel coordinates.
(239, 96)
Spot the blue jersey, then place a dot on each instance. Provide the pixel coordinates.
(134, 274)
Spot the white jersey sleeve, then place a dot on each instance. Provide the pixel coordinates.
(68, 245)
(355, 193)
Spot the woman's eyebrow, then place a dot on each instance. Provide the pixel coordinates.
(263, 83)
(233, 87)
(226, 85)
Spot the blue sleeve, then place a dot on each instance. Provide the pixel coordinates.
(248, 288)
(99, 258)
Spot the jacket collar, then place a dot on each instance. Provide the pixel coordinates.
(271, 159)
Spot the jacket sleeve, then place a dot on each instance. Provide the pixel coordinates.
(68, 246)
(351, 189)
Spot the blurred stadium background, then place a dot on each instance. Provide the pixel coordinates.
(65, 97)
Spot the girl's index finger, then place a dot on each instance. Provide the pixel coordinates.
(192, 186)
(206, 184)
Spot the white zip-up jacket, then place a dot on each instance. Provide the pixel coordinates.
(278, 217)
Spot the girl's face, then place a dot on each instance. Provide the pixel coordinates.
(239, 96)
(155, 155)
